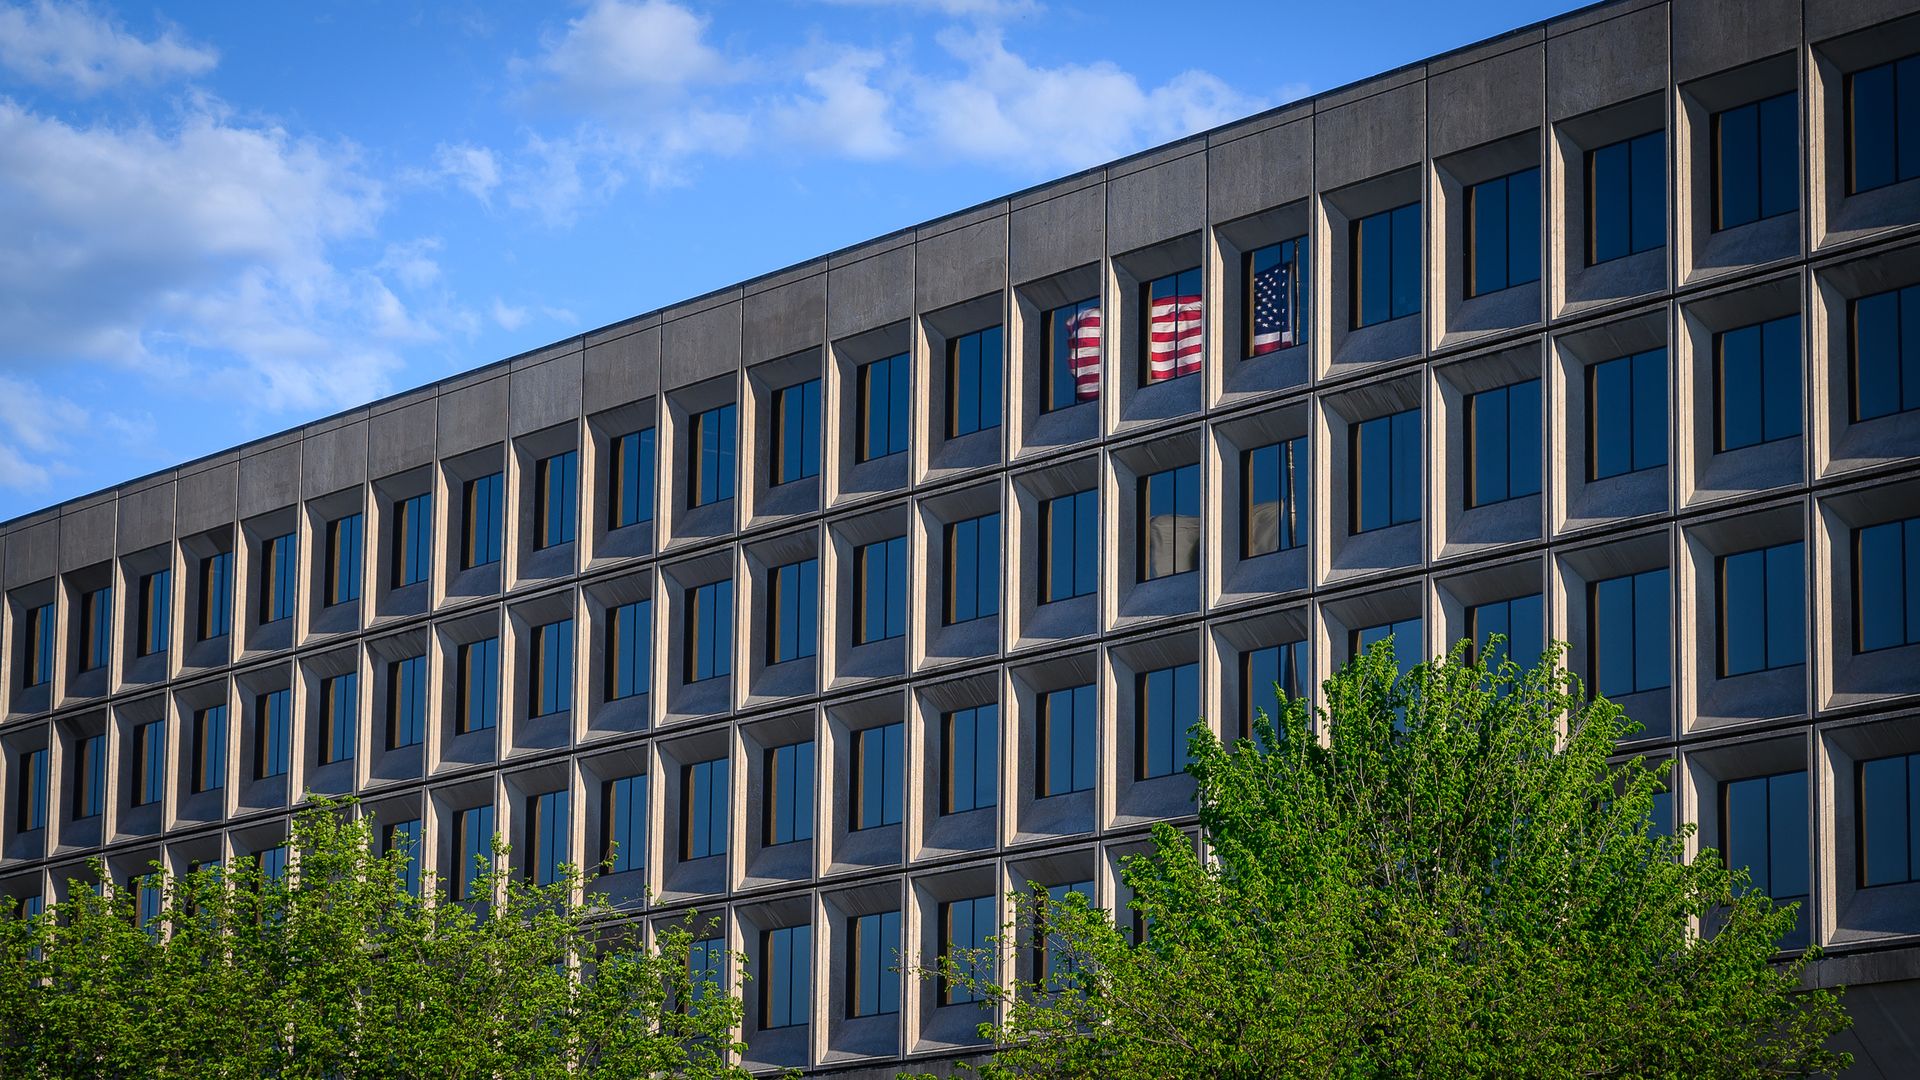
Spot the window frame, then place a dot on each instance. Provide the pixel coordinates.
(1291, 252)
(556, 499)
(1474, 435)
(1056, 326)
(1358, 462)
(1634, 145)
(1717, 169)
(898, 411)
(984, 374)
(890, 772)
(1470, 277)
(717, 464)
(1179, 477)
(1046, 731)
(1357, 231)
(1049, 535)
(804, 397)
(481, 521)
(1179, 282)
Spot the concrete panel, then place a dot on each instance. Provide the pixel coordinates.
(1058, 234)
(206, 498)
(1708, 37)
(87, 532)
(473, 415)
(786, 318)
(270, 478)
(403, 438)
(1157, 203)
(334, 459)
(621, 369)
(546, 393)
(33, 552)
(961, 264)
(1826, 18)
(1607, 63)
(145, 517)
(1370, 137)
(870, 293)
(701, 344)
(1488, 99)
(1260, 171)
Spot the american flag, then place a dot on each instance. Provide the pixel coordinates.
(1173, 337)
(1083, 352)
(1272, 314)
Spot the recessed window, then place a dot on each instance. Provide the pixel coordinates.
(1073, 354)
(406, 702)
(1503, 442)
(873, 958)
(475, 853)
(277, 579)
(974, 365)
(339, 716)
(878, 774)
(32, 807)
(1267, 672)
(549, 815)
(1386, 471)
(966, 929)
(1407, 635)
(38, 669)
(1168, 703)
(149, 762)
(880, 590)
(882, 411)
(1890, 820)
(708, 962)
(272, 734)
(713, 445)
(626, 801)
(1631, 635)
(1170, 338)
(403, 838)
(1756, 383)
(1067, 719)
(477, 704)
(1519, 620)
(480, 518)
(1885, 372)
(412, 540)
(551, 669)
(1276, 297)
(703, 809)
(1627, 414)
(796, 432)
(1756, 162)
(1170, 523)
(1883, 125)
(629, 650)
(210, 749)
(1503, 232)
(342, 571)
(90, 777)
(556, 483)
(786, 977)
(1886, 585)
(709, 641)
(1386, 265)
(632, 480)
(970, 759)
(216, 595)
(973, 569)
(1763, 827)
(96, 629)
(155, 628)
(789, 794)
(273, 862)
(1053, 959)
(1069, 546)
(1763, 607)
(794, 621)
(1627, 197)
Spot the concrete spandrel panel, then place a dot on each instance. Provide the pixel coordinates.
(270, 478)
(961, 264)
(1260, 171)
(145, 517)
(1707, 38)
(699, 345)
(87, 532)
(1157, 203)
(335, 458)
(1486, 99)
(1607, 63)
(1370, 137)
(206, 498)
(473, 415)
(546, 393)
(33, 552)
(1825, 20)
(870, 293)
(1057, 234)
(402, 438)
(785, 318)
(621, 369)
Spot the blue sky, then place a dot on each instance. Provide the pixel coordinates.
(218, 221)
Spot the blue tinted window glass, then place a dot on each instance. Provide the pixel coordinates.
(1066, 740)
(883, 407)
(967, 926)
(273, 734)
(1649, 416)
(33, 796)
(796, 432)
(1073, 354)
(1889, 814)
(1168, 701)
(403, 837)
(1373, 270)
(626, 800)
(476, 852)
(1070, 546)
(709, 641)
(1779, 155)
(1170, 522)
(878, 775)
(1736, 163)
(556, 483)
(412, 540)
(786, 977)
(704, 795)
(340, 707)
(406, 701)
(1487, 426)
(1386, 471)
(210, 749)
(1487, 210)
(547, 835)
(789, 793)
(1608, 201)
(1761, 609)
(552, 669)
(216, 596)
(974, 364)
(880, 590)
(631, 499)
(971, 759)
(479, 689)
(1649, 197)
(1886, 353)
(483, 518)
(630, 630)
(872, 967)
(1871, 141)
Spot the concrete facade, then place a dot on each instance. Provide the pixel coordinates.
(1540, 96)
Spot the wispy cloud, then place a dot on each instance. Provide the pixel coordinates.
(74, 48)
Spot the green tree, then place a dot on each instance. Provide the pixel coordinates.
(335, 969)
(1440, 874)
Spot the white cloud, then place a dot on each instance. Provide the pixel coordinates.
(625, 58)
(842, 111)
(69, 46)
(472, 168)
(34, 428)
(509, 318)
(979, 9)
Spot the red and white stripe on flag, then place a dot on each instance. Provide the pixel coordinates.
(1173, 337)
(1083, 358)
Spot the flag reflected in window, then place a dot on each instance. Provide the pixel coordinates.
(1173, 325)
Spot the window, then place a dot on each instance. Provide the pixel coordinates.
(90, 777)
(1520, 620)
(1886, 585)
(149, 762)
(1052, 963)
(403, 837)
(707, 961)
(340, 714)
(1627, 414)
(475, 852)
(32, 809)
(555, 494)
(630, 645)
(96, 629)
(970, 759)
(1386, 265)
(786, 976)
(1762, 610)
(155, 630)
(1168, 703)
(1503, 439)
(1627, 197)
(1756, 383)
(39, 647)
(883, 407)
(480, 516)
(1067, 720)
(1763, 827)
(626, 802)
(709, 640)
(216, 595)
(1170, 327)
(148, 897)
(1503, 232)
(880, 590)
(965, 927)
(277, 581)
(412, 540)
(796, 432)
(477, 699)
(273, 862)
(873, 957)
(1756, 162)
(406, 702)
(552, 669)
(1386, 471)
(1073, 354)
(210, 749)
(1070, 546)
(343, 560)
(547, 833)
(1274, 517)
(1883, 145)
(795, 622)
(1276, 297)
(703, 810)
(714, 444)
(974, 363)
(1885, 366)
(1890, 820)
(632, 480)
(1407, 635)
(879, 771)
(973, 569)
(789, 794)
(1170, 523)
(1266, 672)
(1630, 633)
(273, 734)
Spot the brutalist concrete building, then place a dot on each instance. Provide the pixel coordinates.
(843, 600)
